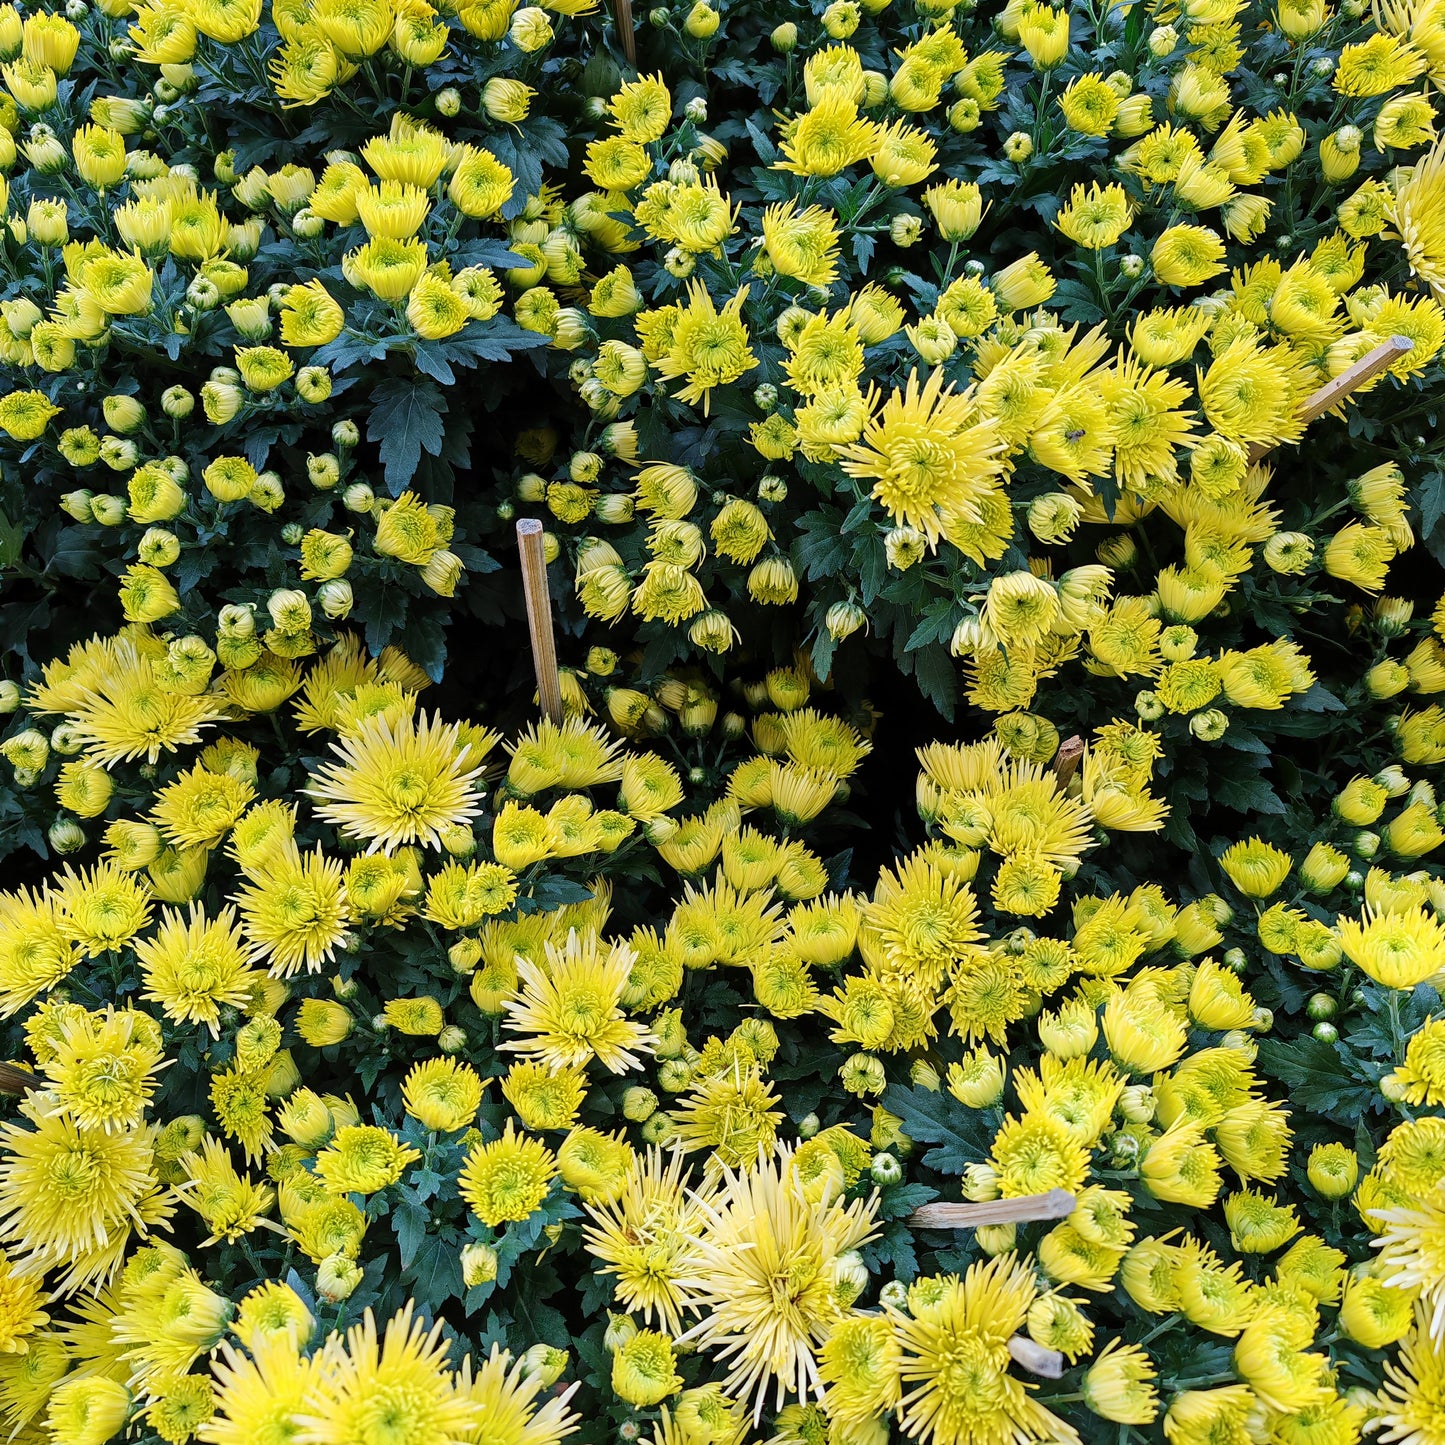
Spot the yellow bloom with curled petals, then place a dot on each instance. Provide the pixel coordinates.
(930, 453)
(1399, 950)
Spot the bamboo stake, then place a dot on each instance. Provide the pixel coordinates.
(1066, 760)
(1332, 393)
(1056, 1204)
(1036, 1359)
(16, 1080)
(626, 31)
(539, 617)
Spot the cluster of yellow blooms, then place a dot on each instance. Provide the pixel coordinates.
(937, 420)
(356, 1021)
(716, 1235)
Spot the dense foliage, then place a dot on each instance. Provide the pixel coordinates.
(999, 751)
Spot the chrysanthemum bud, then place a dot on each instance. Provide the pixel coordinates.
(1209, 726)
(507, 101)
(337, 1278)
(1118, 552)
(66, 835)
(530, 29)
(479, 1264)
(905, 229)
(894, 1294)
(886, 1169)
(843, 619)
(123, 413)
(290, 610)
(77, 504)
(1054, 517)
(158, 547)
(1333, 1170)
(545, 1363)
(1289, 553)
(702, 21)
(108, 510)
(335, 597)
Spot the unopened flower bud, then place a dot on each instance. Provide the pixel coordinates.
(337, 1278)
(479, 1264)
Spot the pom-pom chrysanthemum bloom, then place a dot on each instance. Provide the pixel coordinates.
(195, 966)
(102, 909)
(361, 1159)
(295, 915)
(508, 1178)
(931, 454)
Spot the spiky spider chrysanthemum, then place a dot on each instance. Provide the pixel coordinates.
(570, 1012)
(400, 780)
(765, 1273)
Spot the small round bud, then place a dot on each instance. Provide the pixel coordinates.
(479, 1264)
(638, 1104)
(1333, 1169)
(358, 497)
(177, 402)
(66, 835)
(335, 597)
(337, 1278)
(886, 1169)
(894, 1295)
(1148, 705)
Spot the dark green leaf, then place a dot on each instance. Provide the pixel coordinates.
(406, 419)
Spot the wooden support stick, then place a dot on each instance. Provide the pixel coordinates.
(539, 617)
(1036, 1359)
(1066, 760)
(626, 31)
(1332, 393)
(16, 1080)
(1056, 1204)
